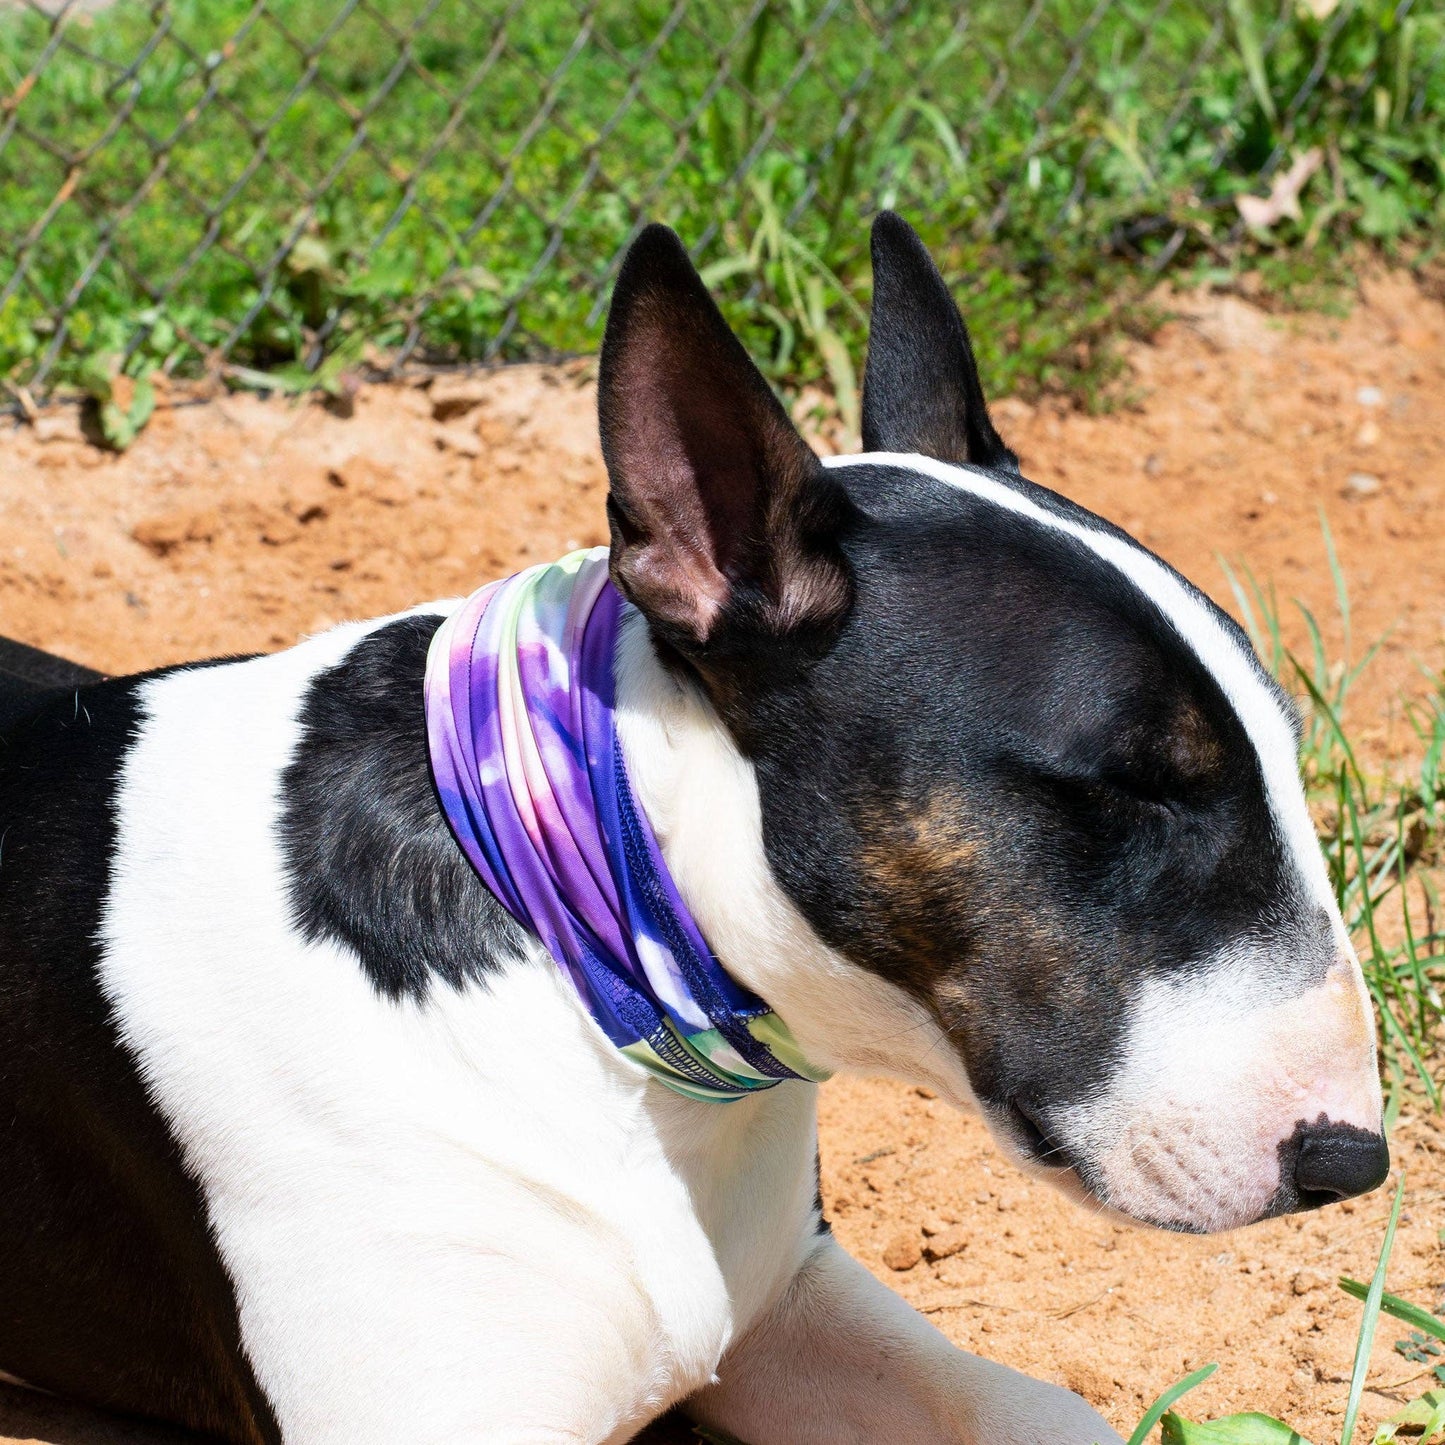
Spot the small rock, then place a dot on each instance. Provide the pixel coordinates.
(458, 439)
(1153, 464)
(904, 1252)
(370, 479)
(162, 534)
(1085, 1378)
(1367, 435)
(924, 1093)
(58, 426)
(1306, 1281)
(1369, 396)
(454, 396)
(947, 1243)
(934, 1224)
(1361, 484)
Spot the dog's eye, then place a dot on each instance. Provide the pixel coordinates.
(1121, 796)
(1148, 792)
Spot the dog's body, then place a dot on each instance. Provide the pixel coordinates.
(451, 1213)
(305, 1140)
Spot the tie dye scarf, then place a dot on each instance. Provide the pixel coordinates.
(524, 750)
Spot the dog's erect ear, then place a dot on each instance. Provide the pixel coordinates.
(721, 515)
(921, 391)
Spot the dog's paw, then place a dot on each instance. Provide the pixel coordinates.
(1008, 1408)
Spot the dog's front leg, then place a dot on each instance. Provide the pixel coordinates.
(842, 1359)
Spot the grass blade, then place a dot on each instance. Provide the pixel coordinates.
(1397, 1308)
(1252, 53)
(1369, 1320)
(1176, 1391)
(1329, 716)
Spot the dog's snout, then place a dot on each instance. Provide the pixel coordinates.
(1337, 1161)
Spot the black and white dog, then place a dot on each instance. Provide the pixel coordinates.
(302, 1140)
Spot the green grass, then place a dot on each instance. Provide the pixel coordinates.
(410, 192)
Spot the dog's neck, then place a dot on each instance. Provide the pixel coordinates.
(701, 796)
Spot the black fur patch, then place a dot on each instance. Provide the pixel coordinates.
(372, 861)
(27, 675)
(112, 1289)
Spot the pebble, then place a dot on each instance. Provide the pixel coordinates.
(370, 479)
(457, 439)
(58, 426)
(903, 1252)
(947, 1243)
(1361, 484)
(1369, 396)
(452, 397)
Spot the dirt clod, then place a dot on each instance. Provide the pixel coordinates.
(947, 1243)
(903, 1251)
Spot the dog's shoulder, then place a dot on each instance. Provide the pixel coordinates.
(371, 860)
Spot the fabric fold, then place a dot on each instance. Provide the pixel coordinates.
(522, 733)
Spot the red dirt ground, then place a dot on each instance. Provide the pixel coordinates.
(241, 524)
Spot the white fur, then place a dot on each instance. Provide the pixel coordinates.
(456, 1221)
(843, 1361)
(1262, 1067)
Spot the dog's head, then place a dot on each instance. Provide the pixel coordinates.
(1007, 760)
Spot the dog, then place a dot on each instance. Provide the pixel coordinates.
(306, 1137)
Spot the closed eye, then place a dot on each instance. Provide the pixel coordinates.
(1096, 791)
(1137, 790)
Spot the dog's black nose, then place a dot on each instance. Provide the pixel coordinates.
(1337, 1161)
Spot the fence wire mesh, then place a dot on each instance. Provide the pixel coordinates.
(190, 184)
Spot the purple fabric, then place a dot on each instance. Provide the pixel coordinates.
(524, 749)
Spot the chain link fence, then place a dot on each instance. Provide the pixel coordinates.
(297, 185)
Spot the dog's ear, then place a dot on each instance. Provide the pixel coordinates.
(723, 520)
(921, 391)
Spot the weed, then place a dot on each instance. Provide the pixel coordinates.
(457, 177)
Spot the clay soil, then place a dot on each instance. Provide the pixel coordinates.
(237, 524)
